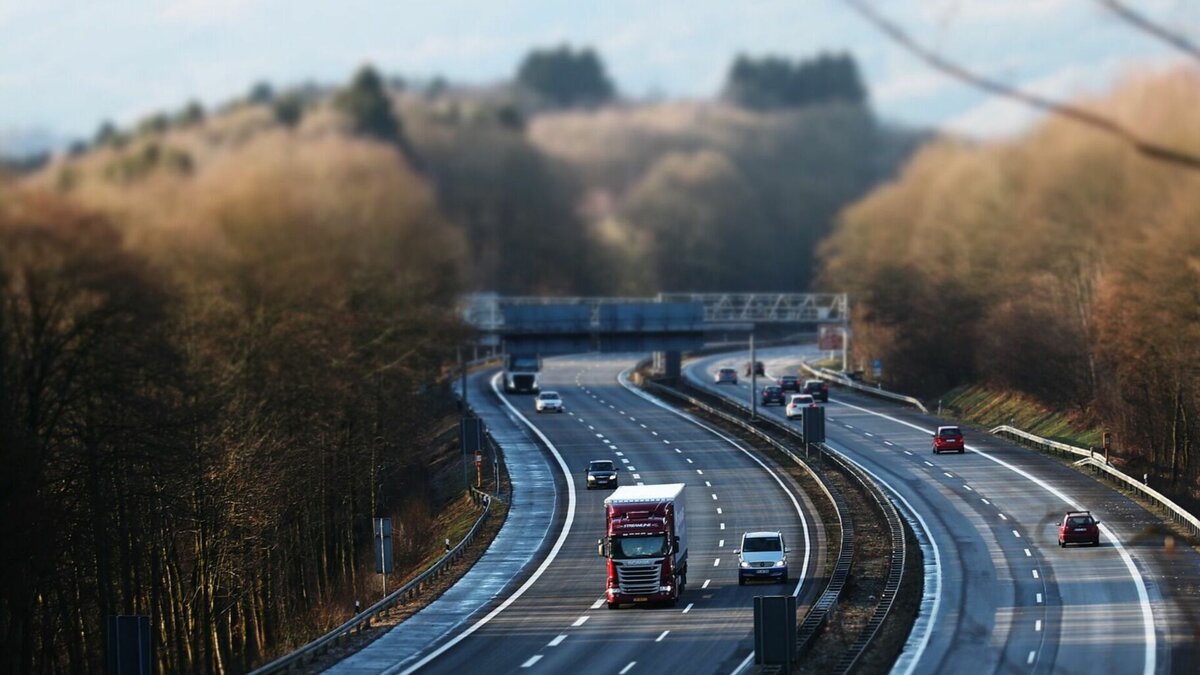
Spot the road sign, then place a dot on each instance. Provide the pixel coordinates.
(814, 424)
(383, 546)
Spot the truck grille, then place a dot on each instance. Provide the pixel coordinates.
(638, 579)
(523, 381)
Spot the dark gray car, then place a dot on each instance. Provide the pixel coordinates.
(601, 473)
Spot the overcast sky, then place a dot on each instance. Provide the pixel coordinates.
(68, 64)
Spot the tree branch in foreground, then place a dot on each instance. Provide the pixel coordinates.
(1146, 148)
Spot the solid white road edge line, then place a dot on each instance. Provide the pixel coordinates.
(623, 378)
(558, 544)
(914, 648)
(1149, 663)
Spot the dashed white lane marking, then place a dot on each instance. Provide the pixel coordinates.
(1028, 554)
(928, 463)
(678, 450)
(666, 442)
(947, 474)
(627, 668)
(570, 413)
(653, 433)
(591, 428)
(632, 467)
(625, 460)
(716, 562)
(637, 476)
(718, 510)
(908, 453)
(611, 446)
(643, 426)
(1039, 598)
(557, 641)
(599, 435)
(620, 454)
(707, 483)
(714, 496)
(612, 407)
(620, 412)
(985, 501)
(688, 608)
(632, 418)
(580, 621)
(705, 584)
(640, 483)
(1016, 534)
(847, 426)
(1035, 574)
(532, 660)
(1003, 517)
(689, 460)
(663, 635)
(721, 543)
(1029, 661)
(699, 472)
(888, 443)
(722, 526)
(968, 487)
(868, 434)
(596, 604)
(1037, 625)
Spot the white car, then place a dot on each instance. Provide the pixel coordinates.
(549, 401)
(796, 405)
(762, 557)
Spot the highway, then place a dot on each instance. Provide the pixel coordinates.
(1002, 596)
(560, 623)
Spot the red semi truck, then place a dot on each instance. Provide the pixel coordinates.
(645, 544)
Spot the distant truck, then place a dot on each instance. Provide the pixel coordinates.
(645, 544)
(521, 373)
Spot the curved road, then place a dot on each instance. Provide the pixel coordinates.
(560, 623)
(1010, 599)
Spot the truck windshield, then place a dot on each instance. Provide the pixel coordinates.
(652, 546)
(523, 363)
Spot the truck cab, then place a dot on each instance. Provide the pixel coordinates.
(521, 373)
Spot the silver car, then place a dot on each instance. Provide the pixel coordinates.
(762, 557)
(549, 401)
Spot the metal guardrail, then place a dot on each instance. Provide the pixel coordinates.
(1176, 512)
(821, 610)
(363, 618)
(834, 376)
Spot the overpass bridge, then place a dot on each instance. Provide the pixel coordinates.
(667, 324)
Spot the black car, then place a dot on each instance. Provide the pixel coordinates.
(601, 473)
(772, 393)
(790, 383)
(759, 368)
(818, 389)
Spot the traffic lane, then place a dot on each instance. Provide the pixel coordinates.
(1173, 573)
(718, 579)
(1100, 605)
(527, 632)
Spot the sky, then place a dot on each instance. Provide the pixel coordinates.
(67, 65)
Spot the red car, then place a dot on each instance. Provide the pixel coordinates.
(1079, 527)
(948, 439)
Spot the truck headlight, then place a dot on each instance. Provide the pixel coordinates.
(781, 563)
(664, 589)
(744, 565)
